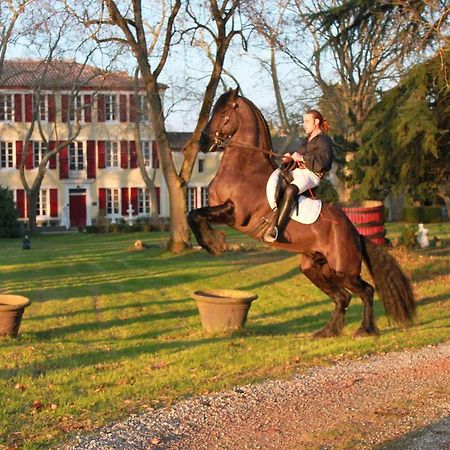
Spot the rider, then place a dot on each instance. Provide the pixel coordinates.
(313, 161)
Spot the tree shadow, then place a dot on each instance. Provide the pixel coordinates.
(433, 436)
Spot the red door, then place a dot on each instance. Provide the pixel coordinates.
(77, 206)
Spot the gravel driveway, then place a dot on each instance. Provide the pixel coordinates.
(392, 401)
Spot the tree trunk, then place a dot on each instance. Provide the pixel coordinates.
(179, 229)
(32, 196)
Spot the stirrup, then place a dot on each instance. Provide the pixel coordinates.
(271, 235)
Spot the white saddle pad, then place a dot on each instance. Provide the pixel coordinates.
(308, 209)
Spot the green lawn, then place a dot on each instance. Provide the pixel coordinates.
(113, 331)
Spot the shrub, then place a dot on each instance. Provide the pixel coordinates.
(9, 225)
(327, 192)
(422, 214)
(408, 236)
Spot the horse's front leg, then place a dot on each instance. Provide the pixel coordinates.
(199, 220)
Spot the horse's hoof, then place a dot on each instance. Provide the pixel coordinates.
(364, 332)
(325, 333)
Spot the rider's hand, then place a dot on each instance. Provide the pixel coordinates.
(297, 157)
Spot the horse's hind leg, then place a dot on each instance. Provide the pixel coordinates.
(364, 290)
(317, 270)
(199, 219)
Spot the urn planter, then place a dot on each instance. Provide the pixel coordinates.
(12, 308)
(223, 309)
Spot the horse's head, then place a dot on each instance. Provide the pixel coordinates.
(223, 122)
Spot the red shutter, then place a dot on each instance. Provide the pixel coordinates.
(64, 163)
(28, 107)
(155, 157)
(19, 153)
(90, 153)
(18, 107)
(102, 198)
(29, 162)
(134, 200)
(132, 108)
(53, 202)
(158, 198)
(64, 108)
(52, 161)
(101, 154)
(133, 155)
(100, 108)
(125, 201)
(20, 202)
(124, 154)
(51, 108)
(123, 108)
(88, 108)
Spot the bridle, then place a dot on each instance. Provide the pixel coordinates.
(220, 138)
(222, 141)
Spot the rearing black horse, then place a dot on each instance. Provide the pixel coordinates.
(332, 249)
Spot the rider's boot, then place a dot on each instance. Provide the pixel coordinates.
(284, 214)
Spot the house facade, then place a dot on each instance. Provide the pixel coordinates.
(91, 115)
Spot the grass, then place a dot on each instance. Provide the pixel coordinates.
(112, 331)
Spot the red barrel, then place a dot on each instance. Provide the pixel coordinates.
(368, 218)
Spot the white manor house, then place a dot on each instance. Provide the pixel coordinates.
(98, 171)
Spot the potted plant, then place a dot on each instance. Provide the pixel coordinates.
(223, 309)
(12, 308)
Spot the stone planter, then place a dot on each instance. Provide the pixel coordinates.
(11, 311)
(223, 309)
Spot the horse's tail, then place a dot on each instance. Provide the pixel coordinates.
(393, 286)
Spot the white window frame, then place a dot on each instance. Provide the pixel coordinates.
(39, 150)
(144, 112)
(6, 107)
(147, 153)
(43, 204)
(112, 154)
(191, 195)
(112, 202)
(76, 109)
(204, 196)
(6, 155)
(42, 112)
(76, 150)
(143, 202)
(111, 108)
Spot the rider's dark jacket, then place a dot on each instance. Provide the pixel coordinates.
(318, 153)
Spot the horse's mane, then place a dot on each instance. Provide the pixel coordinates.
(262, 120)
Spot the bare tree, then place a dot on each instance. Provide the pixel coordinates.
(10, 12)
(150, 44)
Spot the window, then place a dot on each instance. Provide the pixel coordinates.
(204, 196)
(76, 109)
(6, 107)
(112, 201)
(112, 154)
(6, 155)
(147, 153)
(42, 203)
(43, 108)
(39, 150)
(143, 108)
(111, 107)
(201, 165)
(76, 156)
(143, 201)
(190, 198)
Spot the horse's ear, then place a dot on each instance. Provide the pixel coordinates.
(235, 92)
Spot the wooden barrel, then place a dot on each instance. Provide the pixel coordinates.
(368, 218)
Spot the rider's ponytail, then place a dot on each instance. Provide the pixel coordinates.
(323, 123)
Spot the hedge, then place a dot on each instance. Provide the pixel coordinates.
(422, 214)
